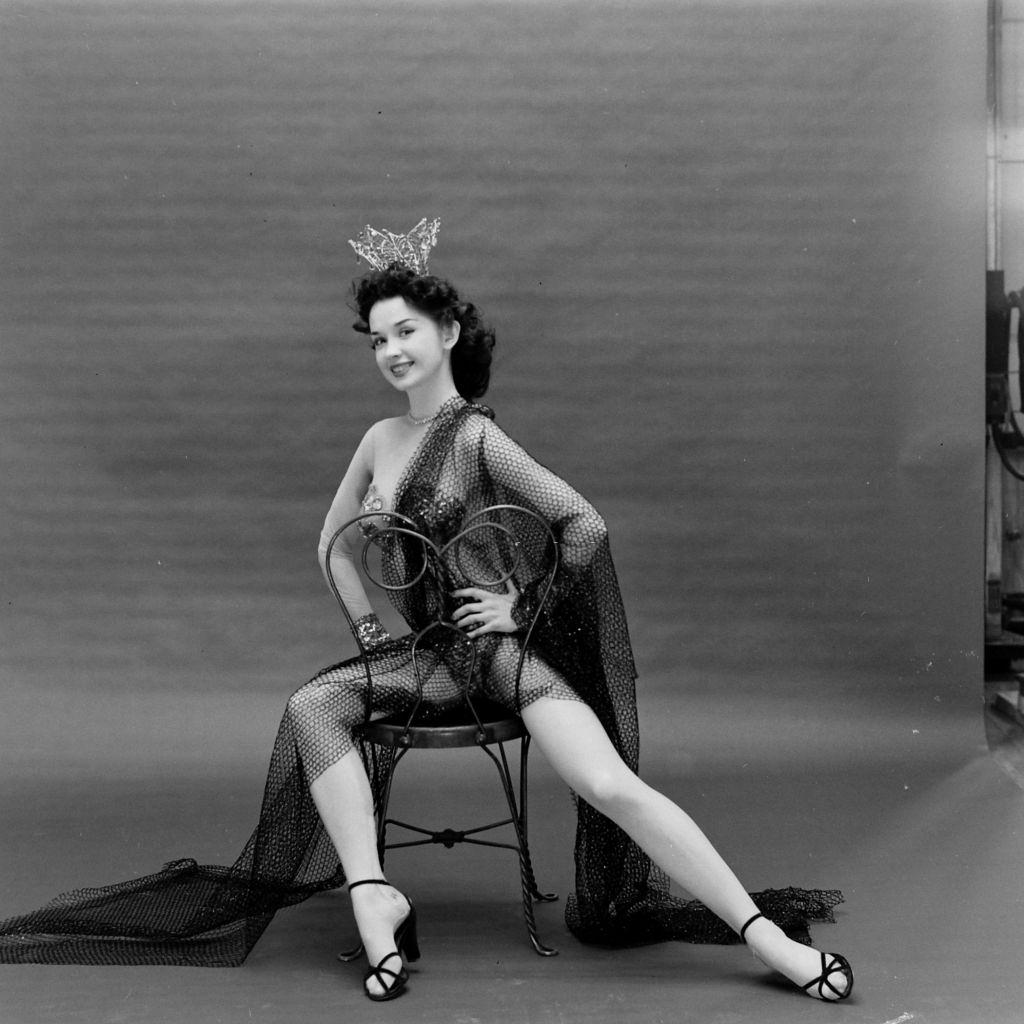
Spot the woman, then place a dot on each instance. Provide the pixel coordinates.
(446, 458)
(432, 348)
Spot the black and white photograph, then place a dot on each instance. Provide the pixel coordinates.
(511, 511)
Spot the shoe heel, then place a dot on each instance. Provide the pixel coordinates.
(407, 940)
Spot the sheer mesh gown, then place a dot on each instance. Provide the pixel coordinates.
(202, 915)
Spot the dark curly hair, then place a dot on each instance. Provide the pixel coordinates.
(438, 299)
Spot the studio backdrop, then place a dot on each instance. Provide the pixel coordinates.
(734, 253)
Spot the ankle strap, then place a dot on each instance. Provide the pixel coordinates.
(368, 881)
(743, 930)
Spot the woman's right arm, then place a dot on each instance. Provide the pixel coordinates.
(346, 505)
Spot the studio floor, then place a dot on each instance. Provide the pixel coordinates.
(905, 810)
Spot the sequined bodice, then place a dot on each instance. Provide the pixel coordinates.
(372, 502)
(437, 515)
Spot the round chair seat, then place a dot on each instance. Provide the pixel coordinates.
(448, 727)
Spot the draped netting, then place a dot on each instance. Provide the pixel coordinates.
(203, 915)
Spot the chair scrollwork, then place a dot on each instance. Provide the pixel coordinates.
(486, 552)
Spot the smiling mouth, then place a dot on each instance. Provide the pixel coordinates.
(400, 369)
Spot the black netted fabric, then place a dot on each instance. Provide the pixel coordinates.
(197, 915)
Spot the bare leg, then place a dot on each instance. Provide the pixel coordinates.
(575, 743)
(342, 796)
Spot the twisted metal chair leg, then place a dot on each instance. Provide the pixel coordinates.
(524, 752)
(529, 883)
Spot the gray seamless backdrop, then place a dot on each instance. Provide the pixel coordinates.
(734, 253)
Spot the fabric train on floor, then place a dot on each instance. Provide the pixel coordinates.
(201, 915)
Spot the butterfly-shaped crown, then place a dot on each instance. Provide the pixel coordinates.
(381, 249)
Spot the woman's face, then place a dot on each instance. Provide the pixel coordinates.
(410, 347)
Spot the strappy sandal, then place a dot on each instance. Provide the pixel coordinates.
(406, 946)
(831, 963)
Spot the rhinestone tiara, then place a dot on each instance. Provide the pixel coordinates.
(382, 248)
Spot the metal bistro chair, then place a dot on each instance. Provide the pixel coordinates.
(476, 720)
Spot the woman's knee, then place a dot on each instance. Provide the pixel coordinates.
(319, 701)
(301, 704)
(611, 790)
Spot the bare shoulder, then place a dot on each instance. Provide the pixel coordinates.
(385, 430)
(391, 424)
(375, 437)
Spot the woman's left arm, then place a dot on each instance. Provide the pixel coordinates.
(578, 527)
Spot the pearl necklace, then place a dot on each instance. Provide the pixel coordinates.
(417, 421)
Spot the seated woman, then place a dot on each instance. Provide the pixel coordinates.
(443, 460)
(445, 453)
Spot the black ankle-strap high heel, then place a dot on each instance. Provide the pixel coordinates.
(406, 945)
(831, 963)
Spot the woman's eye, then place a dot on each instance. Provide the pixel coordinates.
(376, 343)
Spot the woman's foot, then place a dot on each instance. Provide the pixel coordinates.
(825, 976)
(380, 911)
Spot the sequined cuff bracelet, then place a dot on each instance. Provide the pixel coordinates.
(371, 631)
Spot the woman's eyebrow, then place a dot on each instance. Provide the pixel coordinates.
(398, 323)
